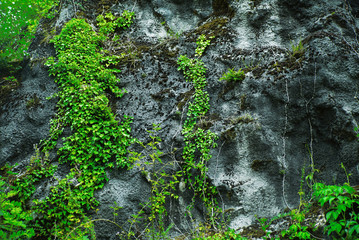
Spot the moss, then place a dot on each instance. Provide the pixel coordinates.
(167, 50)
(242, 102)
(243, 118)
(33, 102)
(227, 87)
(215, 27)
(105, 5)
(204, 124)
(7, 85)
(222, 7)
(259, 165)
(229, 135)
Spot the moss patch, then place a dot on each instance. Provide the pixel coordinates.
(215, 27)
(229, 135)
(222, 7)
(8, 84)
(33, 102)
(258, 165)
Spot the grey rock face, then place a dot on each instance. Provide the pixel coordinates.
(289, 112)
(23, 124)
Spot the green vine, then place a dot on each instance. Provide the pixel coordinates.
(198, 141)
(97, 142)
(163, 183)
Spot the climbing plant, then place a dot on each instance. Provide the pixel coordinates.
(97, 142)
(198, 141)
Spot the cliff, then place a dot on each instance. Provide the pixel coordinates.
(294, 107)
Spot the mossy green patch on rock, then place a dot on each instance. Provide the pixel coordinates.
(7, 85)
(213, 28)
(258, 165)
(222, 7)
(229, 135)
(33, 102)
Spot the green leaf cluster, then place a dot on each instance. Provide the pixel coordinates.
(297, 230)
(198, 142)
(298, 50)
(108, 23)
(97, 142)
(202, 43)
(18, 22)
(38, 169)
(233, 76)
(14, 220)
(342, 203)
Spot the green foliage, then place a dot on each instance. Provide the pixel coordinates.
(97, 142)
(197, 140)
(14, 219)
(33, 102)
(170, 32)
(38, 169)
(163, 186)
(7, 85)
(296, 230)
(233, 76)
(298, 50)
(228, 234)
(202, 43)
(109, 23)
(342, 203)
(18, 22)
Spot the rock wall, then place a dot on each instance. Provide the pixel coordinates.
(293, 109)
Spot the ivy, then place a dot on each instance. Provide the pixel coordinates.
(198, 142)
(38, 169)
(98, 141)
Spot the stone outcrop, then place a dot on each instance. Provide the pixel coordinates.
(293, 109)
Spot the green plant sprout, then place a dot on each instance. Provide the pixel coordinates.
(342, 202)
(233, 76)
(298, 49)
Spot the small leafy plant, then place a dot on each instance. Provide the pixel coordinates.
(233, 76)
(14, 219)
(342, 203)
(296, 230)
(109, 22)
(298, 50)
(202, 43)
